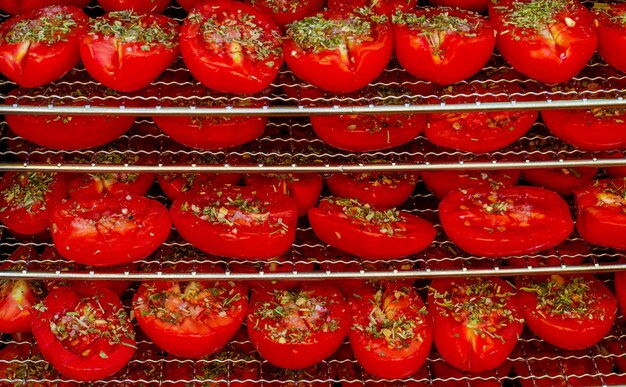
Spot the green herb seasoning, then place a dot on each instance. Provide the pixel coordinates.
(616, 15)
(222, 365)
(569, 298)
(535, 15)
(387, 221)
(279, 6)
(131, 28)
(47, 29)
(35, 368)
(318, 33)
(28, 191)
(437, 22)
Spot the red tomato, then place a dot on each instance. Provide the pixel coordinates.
(236, 222)
(21, 362)
(381, 7)
(591, 129)
(27, 199)
(126, 51)
(282, 264)
(361, 230)
(470, 5)
(288, 11)
(569, 253)
(339, 51)
(441, 183)
(609, 20)
(505, 221)
(101, 346)
(550, 41)
(191, 319)
(563, 181)
(477, 321)
(391, 331)
(231, 47)
(600, 213)
(210, 132)
(14, 7)
(41, 46)
(620, 292)
(297, 329)
(618, 171)
(571, 312)
(456, 378)
(443, 46)
(109, 231)
(63, 131)
(17, 297)
(139, 6)
(381, 190)
(304, 188)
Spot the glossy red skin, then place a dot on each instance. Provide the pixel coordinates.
(86, 186)
(62, 355)
(318, 345)
(569, 332)
(125, 66)
(563, 181)
(287, 11)
(304, 188)
(442, 370)
(252, 240)
(109, 231)
(17, 297)
(457, 56)
(600, 214)
(174, 185)
(373, 353)
(470, 5)
(139, 6)
(221, 70)
(381, 190)
(617, 171)
(15, 7)
(199, 335)
(365, 240)
(457, 341)
(611, 35)
(381, 7)
(33, 64)
(24, 221)
(440, 183)
(586, 131)
(14, 355)
(541, 58)
(334, 71)
(570, 253)
(550, 222)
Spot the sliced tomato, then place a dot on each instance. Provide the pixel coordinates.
(381, 190)
(126, 51)
(571, 312)
(139, 6)
(339, 51)
(569, 253)
(477, 321)
(620, 292)
(440, 183)
(85, 336)
(563, 181)
(41, 46)
(391, 330)
(381, 7)
(470, 5)
(444, 46)
(304, 188)
(109, 231)
(15, 7)
(505, 221)
(609, 22)
(362, 230)
(27, 199)
(231, 47)
(298, 329)
(550, 41)
(288, 11)
(23, 362)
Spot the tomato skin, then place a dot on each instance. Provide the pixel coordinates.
(364, 239)
(332, 69)
(175, 184)
(86, 186)
(328, 316)
(588, 130)
(288, 11)
(98, 358)
(18, 7)
(563, 181)
(611, 34)
(27, 199)
(457, 55)
(381, 190)
(256, 237)
(139, 6)
(556, 51)
(507, 221)
(304, 188)
(460, 340)
(393, 302)
(620, 291)
(127, 65)
(470, 5)
(109, 231)
(563, 328)
(440, 183)
(246, 69)
(600, 216)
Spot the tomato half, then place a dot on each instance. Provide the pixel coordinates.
(381, 190)
(191, 319)
(570, 253)
(609, 21)
(391, 330)
(381, 7)
(304, 188)
(126, 51)
(339, 51)
(505, 221)
(470, 5)
(109, 231)
(288, 11)
(361, 230)
(571, 312)
(443, 46)
(139, 6)
(620, 291)
(27, 199)
(477, 321)
(236, 222)
(550, 41)
(42, 45)
(600, 212)
(231, 47)
(563, 181)
(440, 183)
(297, 329)
(21, 361)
